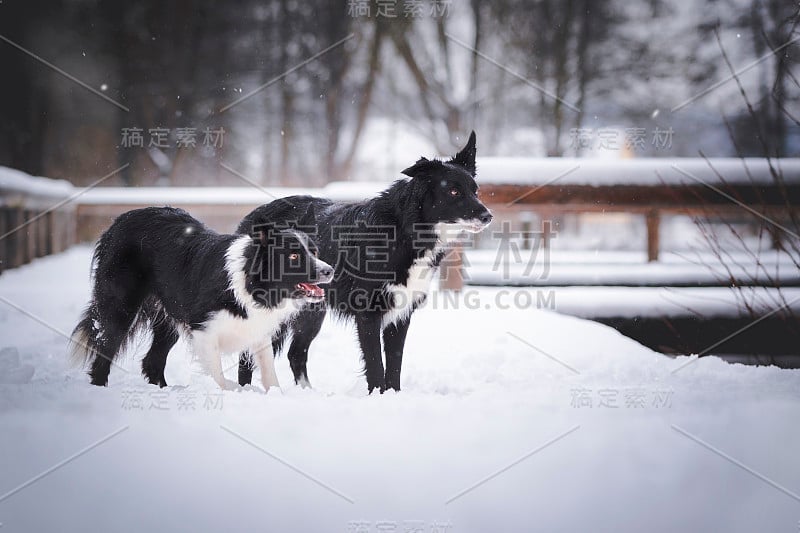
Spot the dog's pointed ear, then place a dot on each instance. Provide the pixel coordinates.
(420, 168)
(263, 234)
(466, 157)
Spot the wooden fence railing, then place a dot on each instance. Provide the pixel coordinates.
(40, 216)
(713, 188)
(776, 203)
(37, 217)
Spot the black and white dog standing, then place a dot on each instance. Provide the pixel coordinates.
(161, 269)
(386, 251)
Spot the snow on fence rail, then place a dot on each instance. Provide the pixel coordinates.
(221, 208)
(647, 171)
(36, 217)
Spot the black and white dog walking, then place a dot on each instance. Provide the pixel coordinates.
(161, 269)
(386, 251)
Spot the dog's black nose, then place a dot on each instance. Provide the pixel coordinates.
(486, 217)
(325, 272)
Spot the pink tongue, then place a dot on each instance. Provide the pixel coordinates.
(313, 290)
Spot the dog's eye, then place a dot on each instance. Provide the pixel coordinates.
(294, 257)
(455, 192)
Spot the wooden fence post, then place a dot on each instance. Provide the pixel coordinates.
(5, 249)
(653, 221)
(16, 239)
(452, 278)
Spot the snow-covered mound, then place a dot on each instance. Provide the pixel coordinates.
(510, 420)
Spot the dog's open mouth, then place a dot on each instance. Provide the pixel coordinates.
(309, 290)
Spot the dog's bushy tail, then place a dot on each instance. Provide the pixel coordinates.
(103, 330)
(87, 339)
(83, 342)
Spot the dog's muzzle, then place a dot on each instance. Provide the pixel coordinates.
(479, 223)
(324, 272)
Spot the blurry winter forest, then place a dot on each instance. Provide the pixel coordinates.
(194, 87)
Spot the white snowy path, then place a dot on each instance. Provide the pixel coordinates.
(477, 404)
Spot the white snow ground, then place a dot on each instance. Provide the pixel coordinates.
(489, 433)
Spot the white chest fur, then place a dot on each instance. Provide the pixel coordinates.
(406, 296)
(230, 334)
(420, 274)
(224, 332)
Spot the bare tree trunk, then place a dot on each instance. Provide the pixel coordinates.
(287, 98)
(373, 69)
(473, 71)
(584, 37)
(561, 76)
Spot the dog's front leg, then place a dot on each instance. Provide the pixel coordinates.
(394, 339)
(206, 348)
(368, 326)
(266, 362)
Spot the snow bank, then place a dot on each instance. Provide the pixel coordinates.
(539, 268)
(510, 420)
(611, 302)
